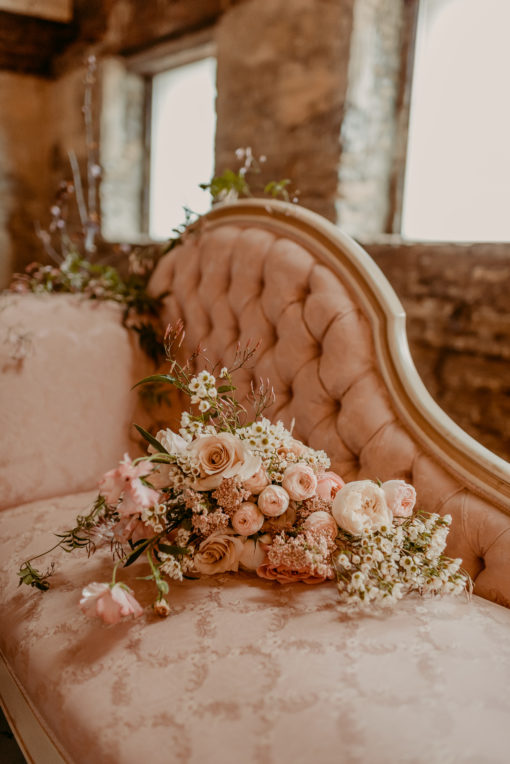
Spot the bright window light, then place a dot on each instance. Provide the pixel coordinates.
(457, 185)
(182, 143)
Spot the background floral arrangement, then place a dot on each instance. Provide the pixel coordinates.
(81, 262)
(232, 491)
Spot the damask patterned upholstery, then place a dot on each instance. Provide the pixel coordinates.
(243, 669)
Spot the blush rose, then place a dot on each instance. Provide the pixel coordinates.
(248, 519)
(328, 485)
(257, 482)
(288, 575)
(400, 497)
(273, 501)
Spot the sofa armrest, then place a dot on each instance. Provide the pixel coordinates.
(66, 406)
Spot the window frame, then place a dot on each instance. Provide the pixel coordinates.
(163, 57)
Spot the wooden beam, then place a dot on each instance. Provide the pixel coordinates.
(54, 10)
(27, 45)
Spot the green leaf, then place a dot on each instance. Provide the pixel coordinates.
(172, 549)
(156, 378)
(226, 388)
(152, 440)
(136, 554)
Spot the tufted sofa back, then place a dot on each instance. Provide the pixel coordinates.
(332, 344)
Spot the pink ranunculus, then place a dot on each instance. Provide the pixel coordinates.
(361, 506)
(253, 554)
(328, 485)
(273, 501)
(288, 575)
(400, 497)
(222, 456)
(257, 482)
(124, 481)
(110, 603)
(322, 522)
(248, 519)
(300, 481)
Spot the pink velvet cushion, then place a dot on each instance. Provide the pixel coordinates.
(249, 671)
(232, 284)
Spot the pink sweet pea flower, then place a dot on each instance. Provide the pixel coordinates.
(125, 481)
(110, 603)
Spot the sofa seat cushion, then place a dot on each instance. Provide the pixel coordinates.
(248, 670)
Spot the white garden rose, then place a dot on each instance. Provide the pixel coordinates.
(218, 553)
(360, 506)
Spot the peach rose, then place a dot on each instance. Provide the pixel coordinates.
(287, 575)
(110, 603)
(360, 506)
(328, 485)
(253, 554)
(273, 501)
(400, 497)
(218, 553)
(322, 522)
(300, 481)
(222, 456)
(247, 519)
(257, 482)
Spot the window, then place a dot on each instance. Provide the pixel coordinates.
(182, 129)
(158, 122)
(457, 183)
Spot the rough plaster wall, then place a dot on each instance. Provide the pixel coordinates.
(25, 157)
(369, 126)
(282, 79)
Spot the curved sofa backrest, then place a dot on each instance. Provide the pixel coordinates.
(333, 346)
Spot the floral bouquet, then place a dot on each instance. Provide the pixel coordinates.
(230, 492)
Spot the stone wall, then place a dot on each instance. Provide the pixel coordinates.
(282, 82)
(283, 71)
(457, 302)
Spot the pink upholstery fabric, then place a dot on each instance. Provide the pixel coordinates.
(66, 407)
(249, 671)
(233, 284)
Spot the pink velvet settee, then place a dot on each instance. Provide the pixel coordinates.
(243, 669)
